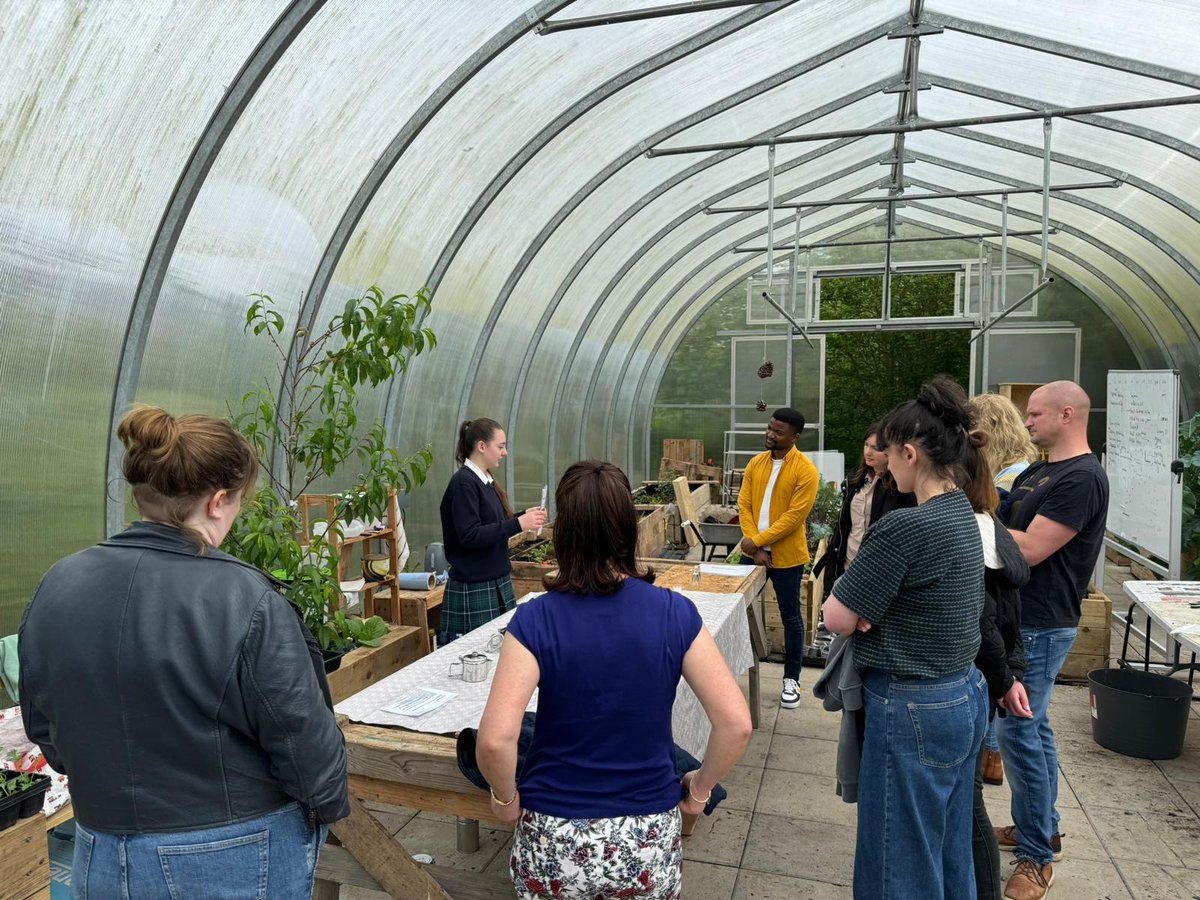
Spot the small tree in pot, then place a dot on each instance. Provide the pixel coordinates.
(310, 430)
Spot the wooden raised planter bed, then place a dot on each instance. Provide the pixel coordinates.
(1093, 642)
(364, 666)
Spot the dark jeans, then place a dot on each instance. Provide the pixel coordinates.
(787, 591)
(983, 844)
(920, 748)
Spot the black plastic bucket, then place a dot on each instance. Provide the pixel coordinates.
(1140, 714)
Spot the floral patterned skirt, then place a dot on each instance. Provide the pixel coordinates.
(598, 859)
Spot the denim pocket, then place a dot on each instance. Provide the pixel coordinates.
(945, 732)
(81, 862)
(233, 869)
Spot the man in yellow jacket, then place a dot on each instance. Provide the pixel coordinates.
(778, 490)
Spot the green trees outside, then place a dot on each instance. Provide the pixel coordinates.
(866, 374)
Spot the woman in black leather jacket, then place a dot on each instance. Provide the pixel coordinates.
(179, 690)
(872, 484)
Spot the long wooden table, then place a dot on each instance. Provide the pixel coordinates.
(404, 768)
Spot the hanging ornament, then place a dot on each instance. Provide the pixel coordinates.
(767, 369)
(761, 406)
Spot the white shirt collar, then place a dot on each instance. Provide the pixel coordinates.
(485, 477)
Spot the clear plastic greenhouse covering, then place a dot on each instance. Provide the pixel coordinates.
(160, 161)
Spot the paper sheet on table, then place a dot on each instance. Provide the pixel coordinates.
(419, 702)
(726, 571)
(1191, 630)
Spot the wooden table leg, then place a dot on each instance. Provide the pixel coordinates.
(386, 861)
(758, 646)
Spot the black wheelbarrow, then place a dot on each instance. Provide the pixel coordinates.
(712, 535)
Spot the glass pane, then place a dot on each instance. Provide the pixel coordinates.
(754, 357)
(707, 425)
(923, 295)
(850, 298)
(867, 374)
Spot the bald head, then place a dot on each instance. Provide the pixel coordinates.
(1063, 395)
(1057, 416)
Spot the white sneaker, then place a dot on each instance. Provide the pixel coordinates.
(790, 696)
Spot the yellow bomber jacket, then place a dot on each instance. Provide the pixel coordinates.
(791, 502)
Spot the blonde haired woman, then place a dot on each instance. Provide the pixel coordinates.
(1009, 450)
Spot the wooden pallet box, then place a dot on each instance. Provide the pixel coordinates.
(364, 666)
(1093, 642)
(691, 451)
(25, 859)
(810, 606)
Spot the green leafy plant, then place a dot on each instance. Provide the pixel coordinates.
(827, 508)
(539, 553)
(310, 430)
(15, 782)
(1189, 454)
(659, 492)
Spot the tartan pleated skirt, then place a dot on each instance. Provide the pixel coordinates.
(466, 605)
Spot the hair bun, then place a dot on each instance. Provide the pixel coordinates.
(946, 400)
(149, 429)
(977, 438)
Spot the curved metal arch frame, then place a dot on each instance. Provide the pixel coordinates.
(749, 93)
(636, 298)
(225, 116)
(634, 403)
(335, 247)
(1108, 171)
(1164, 347)
(653, 280)
(538, 142)
(1134, 307)
(1134, 181)
(1098, 121)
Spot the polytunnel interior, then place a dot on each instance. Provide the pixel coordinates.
(162, 161)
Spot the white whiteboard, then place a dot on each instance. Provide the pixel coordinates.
(1143, 439)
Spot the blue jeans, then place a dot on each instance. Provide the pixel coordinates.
(272, 857)
(787, 591)
(1027, 745)
(990, 741)
(916, 785)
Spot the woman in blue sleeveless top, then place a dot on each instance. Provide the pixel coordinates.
(598, 804)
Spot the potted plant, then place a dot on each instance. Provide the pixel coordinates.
(21, 795)
(308, 430)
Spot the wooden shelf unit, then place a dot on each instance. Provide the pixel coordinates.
(380, 598)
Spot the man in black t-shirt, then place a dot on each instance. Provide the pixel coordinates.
(1058, 518)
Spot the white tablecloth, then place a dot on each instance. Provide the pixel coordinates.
(1168, 604)
(723, 614)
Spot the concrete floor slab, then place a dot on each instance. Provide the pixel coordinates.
(762, 886)
(797, 794)
(705, 881)
(800, 848)
(719, 838)
(802, 754)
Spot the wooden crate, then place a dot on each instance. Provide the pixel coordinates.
(686, 450)
(652, 531)
(693, 471)
(25, 859)
(810, 605)
(1018, 393)
(1093, 643)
